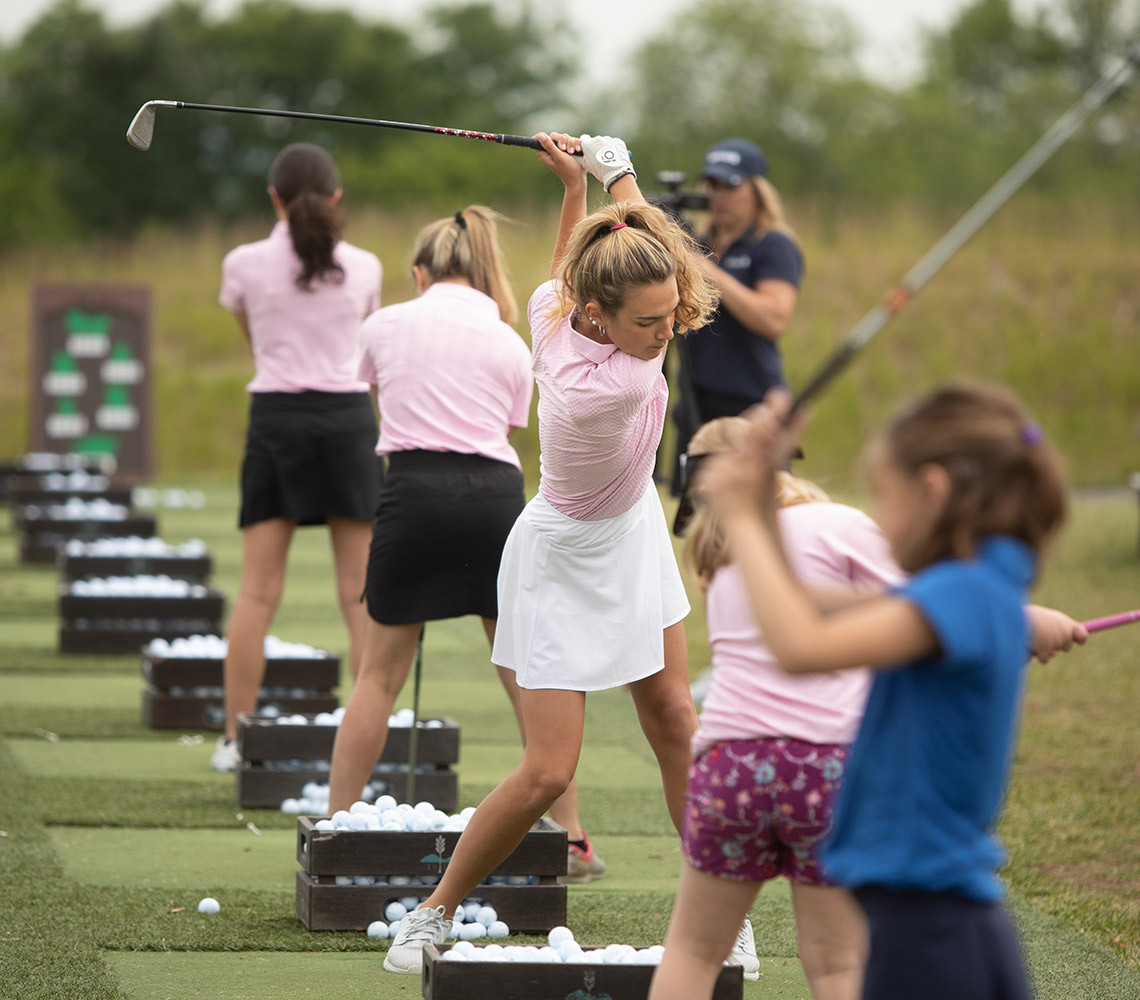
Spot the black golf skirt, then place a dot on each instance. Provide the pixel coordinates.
(438, 535)
(310, 456)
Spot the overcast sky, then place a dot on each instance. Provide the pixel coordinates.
(891, 27)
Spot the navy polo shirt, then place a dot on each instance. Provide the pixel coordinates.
(927, 772)
(726, 357)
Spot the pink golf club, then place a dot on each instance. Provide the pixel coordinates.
(1112, 621)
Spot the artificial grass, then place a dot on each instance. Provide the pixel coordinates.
(81, 923)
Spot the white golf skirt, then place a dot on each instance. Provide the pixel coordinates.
(582, 604)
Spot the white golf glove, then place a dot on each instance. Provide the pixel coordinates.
(606, 158)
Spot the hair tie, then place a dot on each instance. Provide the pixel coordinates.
(1032, 433)
(459, 220)
(620, 225)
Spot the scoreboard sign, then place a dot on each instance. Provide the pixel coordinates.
(91, 391)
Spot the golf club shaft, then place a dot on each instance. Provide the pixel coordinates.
(1112, 621)
(982, 211)
(414, 734)
(508, 140)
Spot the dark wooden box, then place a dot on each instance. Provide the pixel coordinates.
(302, 685)
(192, 569)
(262, 744)
(40, 538)
(549, 981)
(122, 624)
(324, 906)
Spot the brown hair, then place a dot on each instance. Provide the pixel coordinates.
(706, 549)
(466, 245)
(305, 179)
(604, 264)
(1005, 479)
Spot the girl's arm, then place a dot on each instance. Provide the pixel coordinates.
(557, 153)
(883, 632)
(765, 310)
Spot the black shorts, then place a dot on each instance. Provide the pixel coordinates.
(438, 536)
(309, 456)
(940, 946)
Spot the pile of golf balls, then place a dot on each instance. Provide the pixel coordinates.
(43, 461)
(386, 814)
(213, 647)
(136, 586)
(399, 720)
(142, 496)
(75, 509)
(80, 479)
(133, 546)
(472, 920)
(560, 947)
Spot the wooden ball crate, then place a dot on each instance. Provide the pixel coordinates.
(110, 624)
(549, 981)
(41, 537)
(324, 906)
(192, 569)
(168, 704)
(262, 781)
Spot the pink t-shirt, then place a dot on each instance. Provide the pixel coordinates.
(452, 376)
(600, 415)
(300, 340)
(829, 546)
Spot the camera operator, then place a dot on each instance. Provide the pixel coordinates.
(757, 266)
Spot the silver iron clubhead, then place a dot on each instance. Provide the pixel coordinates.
(141, 132)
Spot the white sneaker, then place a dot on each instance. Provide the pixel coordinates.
(225, 756)
(406, 955)
(744, 952)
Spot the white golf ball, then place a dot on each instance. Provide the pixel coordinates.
(559, 936)
(395, 910)
(209, 905)
(498, 929)
(377, 929)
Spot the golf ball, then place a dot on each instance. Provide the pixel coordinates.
(377, 929)
(209, 905)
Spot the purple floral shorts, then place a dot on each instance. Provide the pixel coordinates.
(755, 809)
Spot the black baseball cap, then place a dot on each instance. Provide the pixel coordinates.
(733, 161)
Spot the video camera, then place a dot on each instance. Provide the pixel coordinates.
(676, 201)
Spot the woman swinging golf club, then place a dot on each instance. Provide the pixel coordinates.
(589, 592)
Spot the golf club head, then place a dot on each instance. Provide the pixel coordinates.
(141, 132)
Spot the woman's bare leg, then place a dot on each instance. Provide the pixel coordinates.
(264, 554)
(831, 934)
(350, 538)
(669, 718)
(389, 651)
(564, 812)
(553, 720)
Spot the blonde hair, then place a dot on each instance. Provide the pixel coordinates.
(706, 550)
(627, 246)
(769, 208)
(466, 245)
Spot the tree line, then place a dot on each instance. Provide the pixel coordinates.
(782, 72)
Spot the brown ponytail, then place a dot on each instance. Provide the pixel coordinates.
(305, 179)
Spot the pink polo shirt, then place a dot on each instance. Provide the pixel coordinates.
(300, 340)
(452, 376)
(830, 546)
(600, 415)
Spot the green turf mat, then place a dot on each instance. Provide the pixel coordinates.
(215, 859)
(285, 976)
(75, 691)
(161, 759)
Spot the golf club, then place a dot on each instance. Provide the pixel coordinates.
(141, 131)
(414, 734)
(1112, 621)
(971, 222)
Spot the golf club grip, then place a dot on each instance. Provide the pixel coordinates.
(1111, 621)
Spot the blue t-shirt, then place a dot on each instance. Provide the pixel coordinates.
(928, 769)
(727, 357)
